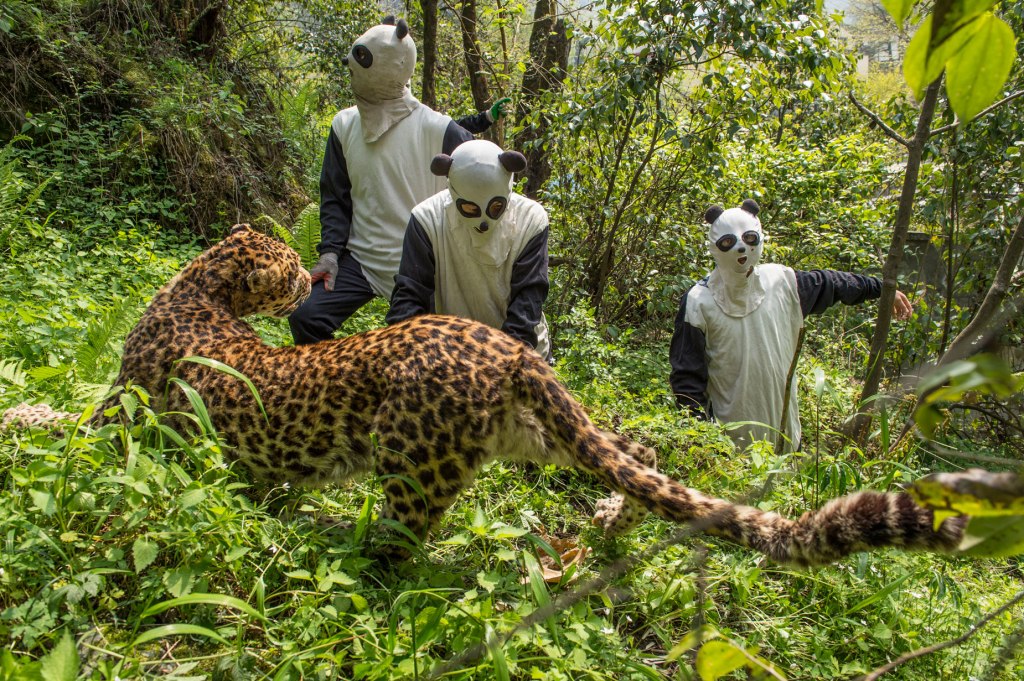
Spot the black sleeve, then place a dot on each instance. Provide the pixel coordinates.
(689, 377)
(454, 135)
(414, 284)
(821, 289)
(529, 290)
(475, 123)
(335, 199)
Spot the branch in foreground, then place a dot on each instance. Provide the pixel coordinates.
(928, 650)
(987, 110)
(879, 122)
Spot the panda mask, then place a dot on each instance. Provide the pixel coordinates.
(381, 62)
(480, 186)
(736, 242)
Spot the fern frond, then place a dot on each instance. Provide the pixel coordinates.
(306, 234)
(46, 373)
(112, 322)
(11, 371)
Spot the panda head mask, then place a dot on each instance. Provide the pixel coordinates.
(736, 242)
(480, 182)
(382, 61)
(735, 238)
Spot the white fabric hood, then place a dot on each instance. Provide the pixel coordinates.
(736, 242)
(381, 62)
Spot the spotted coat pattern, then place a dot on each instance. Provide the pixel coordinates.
(429, 401)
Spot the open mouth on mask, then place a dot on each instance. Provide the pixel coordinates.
(742, 260)
(481, 228)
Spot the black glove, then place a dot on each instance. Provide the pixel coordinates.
(326, 268)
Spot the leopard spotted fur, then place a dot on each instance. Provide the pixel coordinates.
(430, 401)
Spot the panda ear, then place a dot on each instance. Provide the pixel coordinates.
(389, 20)
(712, 213)
(512, 161)
(441, 164)
(402, 30)
(750, 205)
(241, 227)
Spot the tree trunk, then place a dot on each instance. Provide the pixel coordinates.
(549, 60)
(474, 58)
(428, 95)
(879, 341)
(986, 322)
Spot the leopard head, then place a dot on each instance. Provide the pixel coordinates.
(257, 274)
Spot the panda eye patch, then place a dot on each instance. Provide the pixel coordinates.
(363, 56)
(495, 207)
(468, 209)
(751, 238)
(726, 242)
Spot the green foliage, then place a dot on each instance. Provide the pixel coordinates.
(973, 46)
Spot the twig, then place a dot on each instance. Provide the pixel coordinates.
(928, 650)
(879, 122)
(987, 110)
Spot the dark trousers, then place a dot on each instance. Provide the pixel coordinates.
(325, 311)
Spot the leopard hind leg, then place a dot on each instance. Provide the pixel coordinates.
(618, 513)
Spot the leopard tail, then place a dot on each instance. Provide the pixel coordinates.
(858, 522)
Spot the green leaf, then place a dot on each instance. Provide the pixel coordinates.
(205, 599)
(950, 16)
(692, 639)
(177, 630)
(973, 492)
(230, 371)
(44, 501)
(924, 62)
(717, 658)
(497, 655)
(144, 552)
(976, 74)
(994, 537)
(61, 663)
(191, 497)
(899, 10)
(179, 581)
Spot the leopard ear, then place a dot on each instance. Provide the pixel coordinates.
(402, 29)
(389, 20)
(750, 205)
(259, 280)
(241, 227)
(441, 164)
(712, 213)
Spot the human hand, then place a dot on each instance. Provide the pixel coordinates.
(326, 269)
(901, 307)
(498, 108)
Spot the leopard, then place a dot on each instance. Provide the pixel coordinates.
(425, 403)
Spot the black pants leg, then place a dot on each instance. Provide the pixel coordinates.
(325, 311)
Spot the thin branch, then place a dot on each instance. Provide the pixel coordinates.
(983, 112)
(928, 650)
(879, 122)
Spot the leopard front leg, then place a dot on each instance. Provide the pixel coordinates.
(619, 514)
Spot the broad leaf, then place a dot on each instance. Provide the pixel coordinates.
(61, 663)
(899, 10)
(949, 16)
(144, 552)
(975, 75)
(717, 658)
(994, 503)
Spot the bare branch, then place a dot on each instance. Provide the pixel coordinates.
(879, 122)
(983, 112)
(928, 650)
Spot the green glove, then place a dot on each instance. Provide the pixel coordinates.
(498, 109)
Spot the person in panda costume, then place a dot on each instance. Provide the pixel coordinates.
(375, 170)
(477, 249)
(737, 330)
